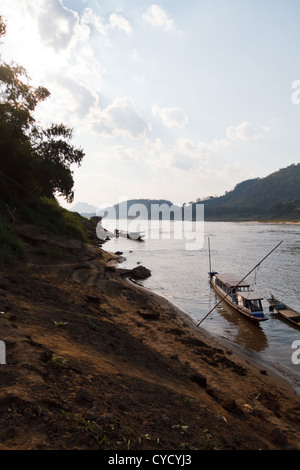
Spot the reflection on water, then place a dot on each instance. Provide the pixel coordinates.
(182, 276)
(249, 335)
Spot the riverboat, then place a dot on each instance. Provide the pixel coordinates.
(238, 295)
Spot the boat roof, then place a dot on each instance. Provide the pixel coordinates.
(232, 280)
(251, 295)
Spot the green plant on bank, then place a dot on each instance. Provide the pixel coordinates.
(68, 414)
(11, 247)
(53, 219)
(58, 362)
(94, 430)
(125, 439)
(59, 323)
(94, 326)
(46, 214)
(183, 429)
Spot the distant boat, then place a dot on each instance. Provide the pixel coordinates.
(286, 312)
(238, 295)
(131, 235)
(105, 235)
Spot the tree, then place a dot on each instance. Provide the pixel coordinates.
(57, 155)
(33, 160)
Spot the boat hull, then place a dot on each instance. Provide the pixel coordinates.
(236, 307)
(287, 313)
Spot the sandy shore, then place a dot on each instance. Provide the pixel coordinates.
(97, 362)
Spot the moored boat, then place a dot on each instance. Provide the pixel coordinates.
(236, 292)
(131, 235)
(286, 312)
(238, 295)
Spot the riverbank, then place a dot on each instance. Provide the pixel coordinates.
(96, 362)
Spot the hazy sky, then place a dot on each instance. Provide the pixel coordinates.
(174, 100)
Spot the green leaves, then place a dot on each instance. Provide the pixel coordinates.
(33, 160)
(17, 90)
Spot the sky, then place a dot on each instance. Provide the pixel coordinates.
(170, 100)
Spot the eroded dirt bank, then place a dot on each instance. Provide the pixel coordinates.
(94, 362)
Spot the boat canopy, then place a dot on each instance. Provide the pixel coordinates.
(250, 295)
(232, 280)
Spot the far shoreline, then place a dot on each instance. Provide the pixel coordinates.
(255, 221)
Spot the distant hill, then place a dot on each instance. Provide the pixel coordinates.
(143, 208)
(275, 197)
(84, 208)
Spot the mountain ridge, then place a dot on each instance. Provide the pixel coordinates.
(274, 197)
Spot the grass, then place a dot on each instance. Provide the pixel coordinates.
(11, 247)
(53, 219)
(51, 251)
(46, 214)
(59, 323)
(94, 326)
(58, 362)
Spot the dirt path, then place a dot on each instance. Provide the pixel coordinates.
(95, 362)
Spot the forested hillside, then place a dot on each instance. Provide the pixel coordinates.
(275, 197)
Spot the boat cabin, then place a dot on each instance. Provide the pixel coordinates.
(239, 293)
(228, 281)
(250, 301)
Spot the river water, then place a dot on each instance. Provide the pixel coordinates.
(179, 271)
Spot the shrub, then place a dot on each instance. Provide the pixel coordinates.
(11, 247)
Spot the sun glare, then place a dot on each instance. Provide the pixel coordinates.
(26, 48)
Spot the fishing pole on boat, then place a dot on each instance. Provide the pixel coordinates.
(258, 264)
(209, 254)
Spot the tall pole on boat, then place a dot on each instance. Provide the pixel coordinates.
(209, 255)
(239, 282)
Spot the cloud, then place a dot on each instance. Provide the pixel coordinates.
(119, 22)
(182, 161)
(158, 18)
(82, 97)
(183, 155)
(122, 153)
(121, 118)
(56, 23)
(171, 117)
(246, 131)
(89, 17)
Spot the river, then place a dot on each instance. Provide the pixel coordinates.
(179, 271)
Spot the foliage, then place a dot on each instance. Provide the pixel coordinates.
(275, 197)
(11, 248)
(33, 160)
(35, 164)
(53, 219)
(50, 217)
(58, 362)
